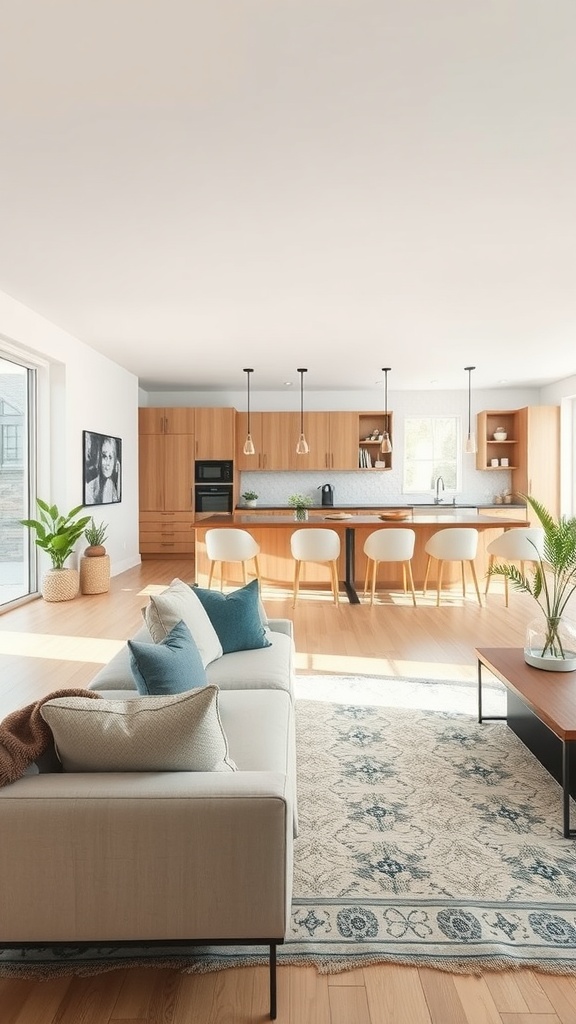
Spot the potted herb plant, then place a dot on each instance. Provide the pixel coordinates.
(300, 503)
(57, 534)
(95, 563)
(551, 639)
(95, 535)
(250, 499)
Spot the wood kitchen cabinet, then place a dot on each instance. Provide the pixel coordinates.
(166, 421)
(532, 448)
(215, 433)
(538, 459)
(490, 422)
(166, 481)
(332, 438)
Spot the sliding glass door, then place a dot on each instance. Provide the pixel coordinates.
(17, 554)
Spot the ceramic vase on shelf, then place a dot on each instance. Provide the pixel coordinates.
(550, 644)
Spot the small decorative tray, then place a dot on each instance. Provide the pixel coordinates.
(338, 515)
(396, 513)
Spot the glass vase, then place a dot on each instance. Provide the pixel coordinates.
(301, 515)
(551, 644)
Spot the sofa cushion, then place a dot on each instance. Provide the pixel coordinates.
(236, 617)
(179, 602)
(180, 732)
(172, 666)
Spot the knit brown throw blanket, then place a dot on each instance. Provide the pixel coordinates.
(24, 735)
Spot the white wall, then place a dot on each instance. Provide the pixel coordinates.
(79, 389)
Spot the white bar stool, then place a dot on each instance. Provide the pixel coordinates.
(515, 545)
(315, 545)
(389, 545)
(454, 544)
(231, 545)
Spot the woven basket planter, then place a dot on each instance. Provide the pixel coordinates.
(95, 574)
(60, 584)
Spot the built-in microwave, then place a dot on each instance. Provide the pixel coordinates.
(214, 471)
(213, 498)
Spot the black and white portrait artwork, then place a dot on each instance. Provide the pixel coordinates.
(102, 468)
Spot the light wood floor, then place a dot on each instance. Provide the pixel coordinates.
(47, 646)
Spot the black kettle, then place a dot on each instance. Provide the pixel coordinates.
(327, 494)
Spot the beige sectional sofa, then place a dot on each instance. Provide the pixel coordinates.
(164, 856)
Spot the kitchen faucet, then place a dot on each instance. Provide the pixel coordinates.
(439, 481)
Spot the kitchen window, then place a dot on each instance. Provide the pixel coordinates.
(431, 449)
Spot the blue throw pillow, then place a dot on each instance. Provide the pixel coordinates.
(236, 617)
(172, 666)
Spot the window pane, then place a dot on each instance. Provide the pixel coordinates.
(17, 571)
(431, 450)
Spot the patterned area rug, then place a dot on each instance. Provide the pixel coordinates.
(425, 839)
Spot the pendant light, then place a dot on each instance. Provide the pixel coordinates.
(248, 448)
(386, 446)
(470, 444)
(302, 446)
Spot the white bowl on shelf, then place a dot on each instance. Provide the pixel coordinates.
(500, 435)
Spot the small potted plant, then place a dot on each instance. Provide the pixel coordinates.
(300, 503)
(95, 535)
(95, 563)
(250, 499)
(56, 535)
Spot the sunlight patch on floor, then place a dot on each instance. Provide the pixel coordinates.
(356, 665)
(61, 648)
(459, 696)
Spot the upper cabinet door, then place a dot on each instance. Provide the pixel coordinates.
(343, 440)
(214, 429)
(179, 421)
(280, 431)
(151, 421)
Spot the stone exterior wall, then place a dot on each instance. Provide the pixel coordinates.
(12, 534)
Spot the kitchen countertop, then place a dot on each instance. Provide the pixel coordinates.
(339, 507)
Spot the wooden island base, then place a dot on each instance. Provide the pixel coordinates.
(277, 565)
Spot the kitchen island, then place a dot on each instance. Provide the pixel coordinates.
(272, 533)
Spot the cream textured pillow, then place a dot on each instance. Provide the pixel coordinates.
(177, 733)
(179, 603)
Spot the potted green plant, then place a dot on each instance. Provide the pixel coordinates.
(300, 503)
(95, 535)
(550, 640)
(57, 534)
(95, 563)
(250, 498)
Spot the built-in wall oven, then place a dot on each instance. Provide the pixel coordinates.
(213, 498)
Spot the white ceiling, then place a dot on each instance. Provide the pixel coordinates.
(197, 187)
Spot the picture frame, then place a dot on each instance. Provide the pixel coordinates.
(102, 468)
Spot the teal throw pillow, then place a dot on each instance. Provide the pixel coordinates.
(236, 617)
(171, 666)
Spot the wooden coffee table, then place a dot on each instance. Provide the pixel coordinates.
(541, 710)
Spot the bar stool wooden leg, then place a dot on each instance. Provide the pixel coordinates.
(463, 570)
(428, 564)
(368, 567)
(411, 578)
(488, 577)
(244, 576)
(257, 568)
(440, 574)
(373, 588)
(335, 587)
(211, 574)
(474, 577)
(296, 581)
